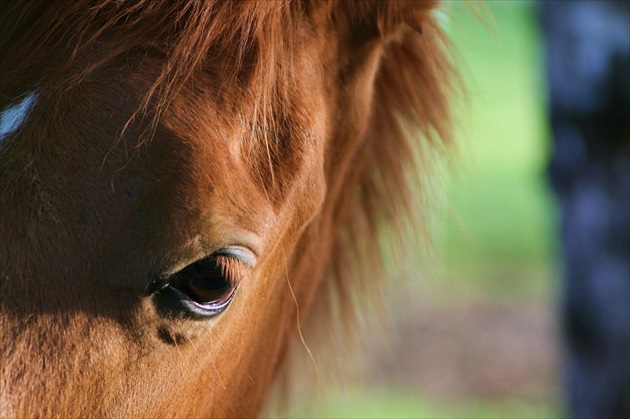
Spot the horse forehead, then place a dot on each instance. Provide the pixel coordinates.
(231, 135)
(228, 164)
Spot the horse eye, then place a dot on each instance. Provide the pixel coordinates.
(204, 288)
(203, 282)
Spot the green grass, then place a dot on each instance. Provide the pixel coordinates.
(400, 403)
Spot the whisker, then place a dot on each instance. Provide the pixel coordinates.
(299, 327)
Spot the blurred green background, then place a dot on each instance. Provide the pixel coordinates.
(479, 339)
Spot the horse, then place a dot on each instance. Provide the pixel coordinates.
(183, 182)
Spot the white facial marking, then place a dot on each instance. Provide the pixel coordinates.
(12, 117)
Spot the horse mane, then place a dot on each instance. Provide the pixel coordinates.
(410, 123)
(380, 217)
(184, 33)
(410, 113)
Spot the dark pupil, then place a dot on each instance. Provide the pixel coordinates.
(203, 281)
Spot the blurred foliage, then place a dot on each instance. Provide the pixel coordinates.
(500, 235)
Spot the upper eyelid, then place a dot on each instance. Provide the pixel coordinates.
(241, 253)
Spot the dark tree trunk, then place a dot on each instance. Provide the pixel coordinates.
(588, 75)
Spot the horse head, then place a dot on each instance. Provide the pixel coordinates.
(178, 179)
